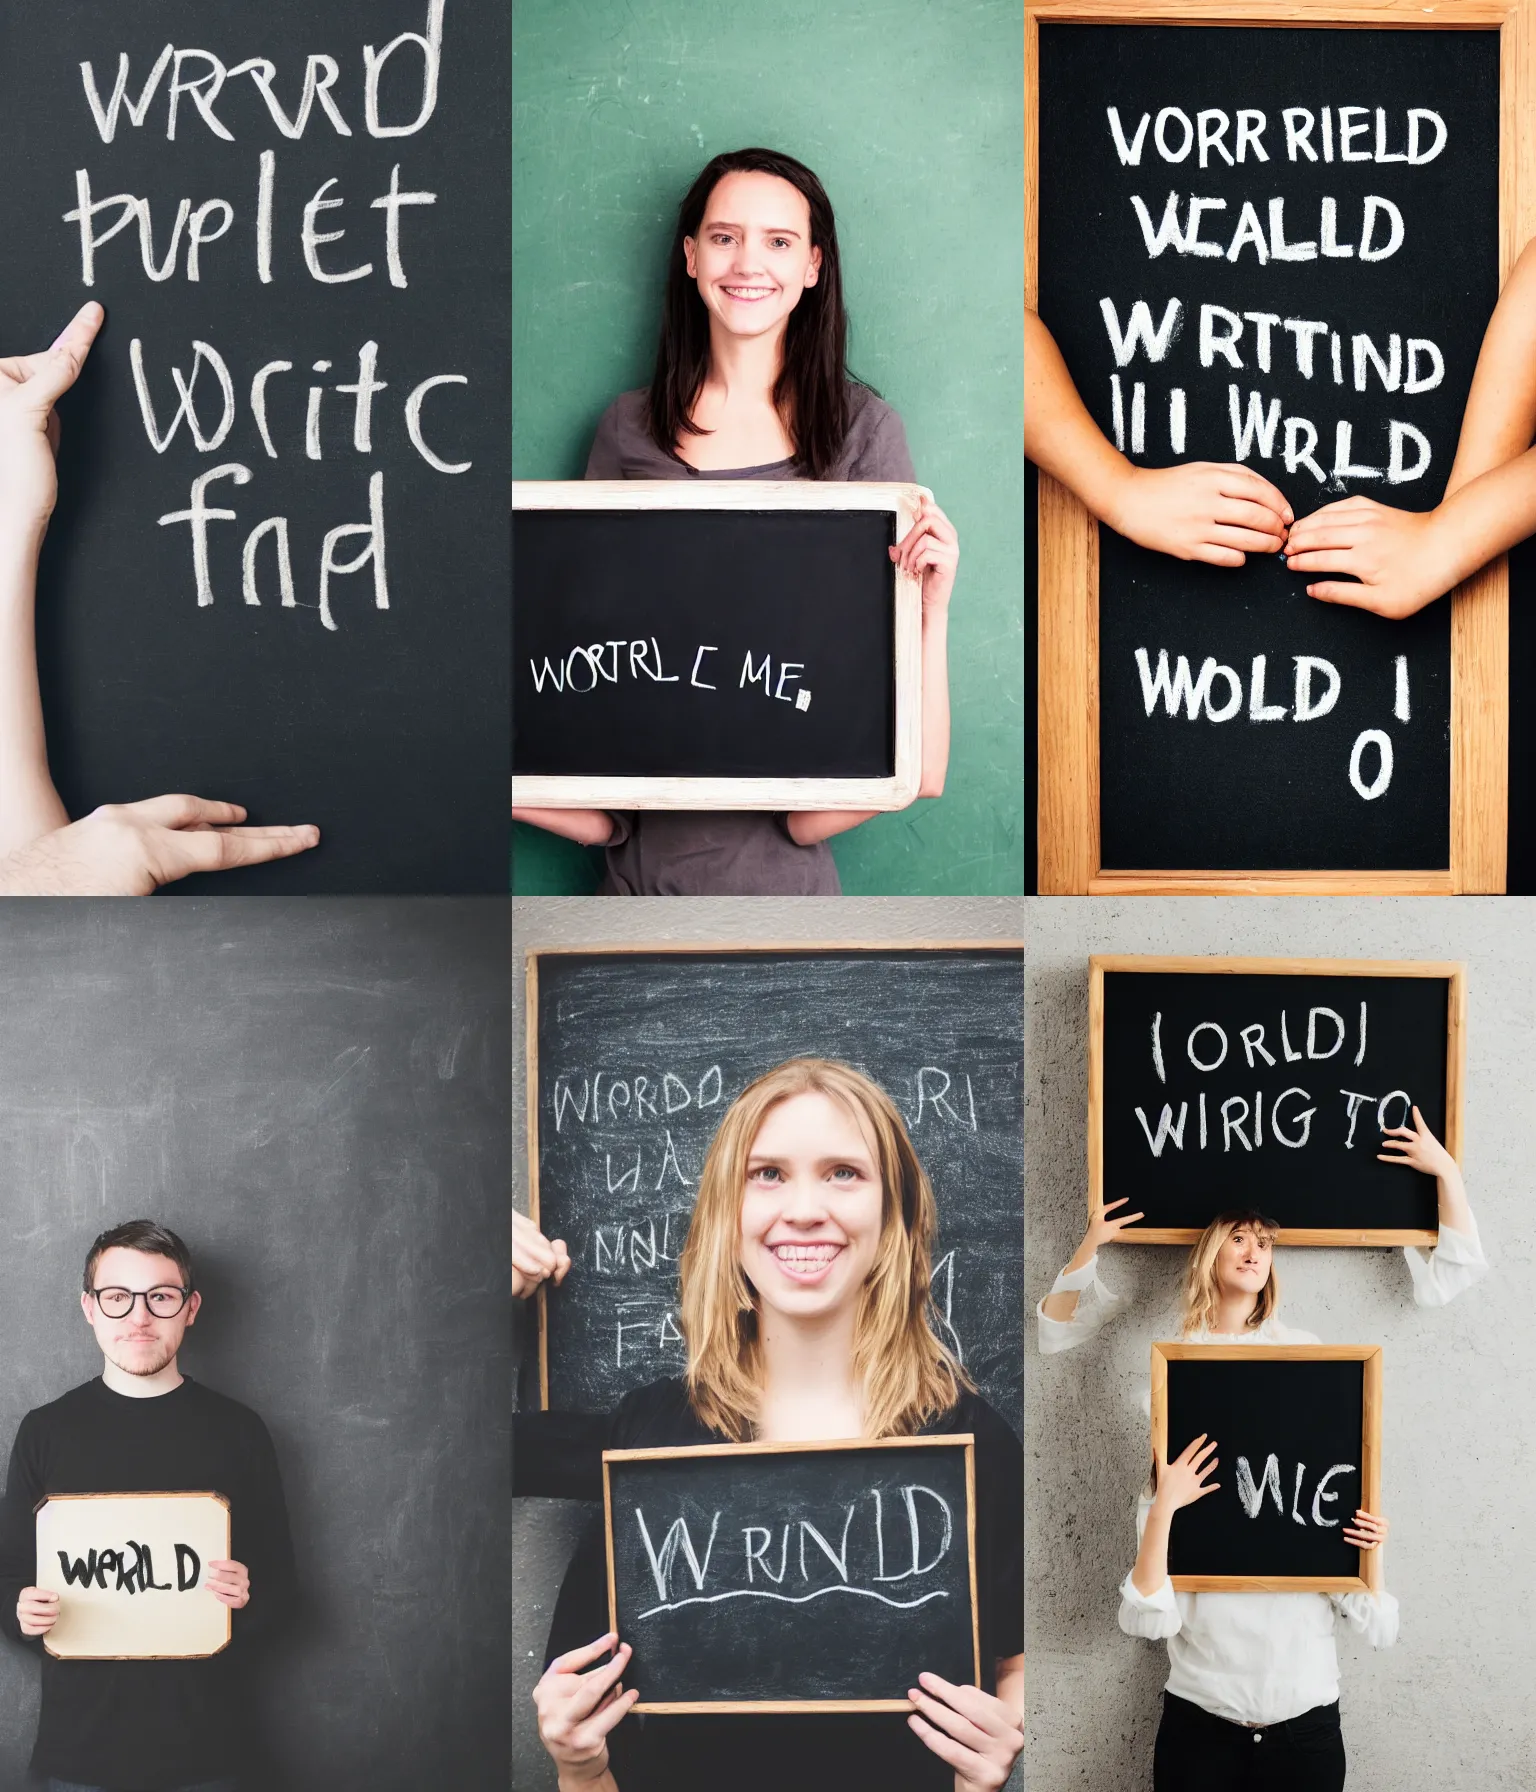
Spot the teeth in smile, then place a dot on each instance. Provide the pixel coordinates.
(806, 1253)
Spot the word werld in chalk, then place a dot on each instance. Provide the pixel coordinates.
(1252, 1493)
(130, 1568)
(858, 1566)
(585, 668)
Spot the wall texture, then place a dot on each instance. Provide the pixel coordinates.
(911, 111)
(544, 1532)
(1450, 1705)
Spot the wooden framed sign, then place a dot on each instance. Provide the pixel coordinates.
(634, 1055)
(793, 1577)
(1297, 1429)
(1271, 232)
(714, 644)
(1219, 1083)
(128, 1569)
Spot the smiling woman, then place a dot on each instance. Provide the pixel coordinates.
(806, 1307)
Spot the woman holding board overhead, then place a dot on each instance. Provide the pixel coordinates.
(806, 1311)
(751, 382)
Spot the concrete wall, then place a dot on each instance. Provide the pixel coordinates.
(1451, 1705)
(544, 1532)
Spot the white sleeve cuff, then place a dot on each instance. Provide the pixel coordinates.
(1371, 1615)
(1154, 1616)
(1095, 1306)
(1453, 1266)
(1074, 1281)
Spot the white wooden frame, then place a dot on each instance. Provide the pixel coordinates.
(895, 792)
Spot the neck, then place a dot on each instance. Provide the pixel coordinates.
(744, 368)
(142, 1387)
(1234, 1310)
(809, 1362)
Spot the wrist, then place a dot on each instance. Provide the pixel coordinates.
(21, 539)
(1115, 492)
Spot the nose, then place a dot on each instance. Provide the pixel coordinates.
(804, 1203)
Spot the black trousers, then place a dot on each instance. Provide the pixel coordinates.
(1196, 1752)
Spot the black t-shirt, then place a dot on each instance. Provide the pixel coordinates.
(142, 1726)
(746, 1753)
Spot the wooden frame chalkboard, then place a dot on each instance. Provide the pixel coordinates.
(745, 497)
(1455, 1073)
(1069, 856)
(681, 948)
(962, 1440)
(1370, 1359)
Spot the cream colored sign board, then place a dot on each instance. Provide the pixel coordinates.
(134, 1586)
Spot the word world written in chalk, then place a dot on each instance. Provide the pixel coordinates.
(130, 1568)
(186, 94)
(866, 1550)
(1315, 1035)
(586, 668)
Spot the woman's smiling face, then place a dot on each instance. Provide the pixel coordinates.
(753, 258)
(811, 1210)
(1243, 1263)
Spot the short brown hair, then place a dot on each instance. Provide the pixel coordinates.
(140, 1235)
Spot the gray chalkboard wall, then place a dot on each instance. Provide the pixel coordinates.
(639, 1056)
(315, 1095)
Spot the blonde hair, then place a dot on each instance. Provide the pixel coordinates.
(907, 1375)
(1202, 1297)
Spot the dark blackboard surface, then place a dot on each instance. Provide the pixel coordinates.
(1299, 1412)
(941, 1031)
(790, 1625)
(814, 590)
(314, 1094)
(389, 732)
(1323, 1182)
(1276, 794)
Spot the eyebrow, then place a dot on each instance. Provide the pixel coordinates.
(771, 230)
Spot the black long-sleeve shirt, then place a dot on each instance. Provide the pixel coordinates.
(148, 1725)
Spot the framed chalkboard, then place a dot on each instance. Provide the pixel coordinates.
(278, 570)
(1216, 1083)
(634, 1055)
(1301, 283)
(714, 644)
(793, 1577)
(1298, 1435)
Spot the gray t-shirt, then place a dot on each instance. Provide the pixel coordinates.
(678, 852)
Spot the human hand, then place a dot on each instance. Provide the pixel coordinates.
(36, 1611)
(229, 1583)
(1417, 1148)
(976, 1733)
(1103, 1230)
(1368, 1532)
(577, 1710)
(131, 849)
(1397, 555)
(930, 550)
(29, 427)
(1182, 1482)
(535, 1258)
(1203, 510)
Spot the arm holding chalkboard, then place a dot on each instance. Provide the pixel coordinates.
(120, 849)
(1457, 1260)
(1405, 559)
(1062, 1317)
(1201, 510)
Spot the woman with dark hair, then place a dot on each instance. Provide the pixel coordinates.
(751, 382)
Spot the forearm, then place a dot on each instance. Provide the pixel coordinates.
(29, 804)
(1063, 1303)
(605, 1782)
(1485, 517)
(587, 827)
(1010, 1683)
(935, 702)
(809, 827)
(1060, 436)
(1455, 1210)
(1151, 1568)
(1500, 418)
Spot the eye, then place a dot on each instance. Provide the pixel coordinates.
(780, 242)
(847, 1172)
(765, 1173)
(721, 236)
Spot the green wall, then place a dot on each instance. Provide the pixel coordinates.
(911, 111)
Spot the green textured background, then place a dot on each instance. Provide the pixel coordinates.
(911, 111)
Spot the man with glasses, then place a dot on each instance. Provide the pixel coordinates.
(144, 1427)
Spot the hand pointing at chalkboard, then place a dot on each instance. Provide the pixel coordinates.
(118, 850)
(1199, 511)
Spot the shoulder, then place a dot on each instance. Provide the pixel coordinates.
(996, 1439)
(657, 1416)
(1275, 1331)
(626, 415)
(68, 1408)
(214, 1408)
(876, 444)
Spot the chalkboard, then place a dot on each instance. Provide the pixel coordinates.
(709, 644)
(635, 1057)
(1302, 286)
(1298, 1435)
(352, 382)
(774, 1577)
(1217, 1083)
(314, 1095)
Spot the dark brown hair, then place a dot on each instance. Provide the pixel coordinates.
(811, 393)
(140, 1235)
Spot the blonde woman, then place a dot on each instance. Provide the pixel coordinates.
(1079, 1304)
(805, 1307)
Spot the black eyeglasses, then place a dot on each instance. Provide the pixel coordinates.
(162, 1303)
